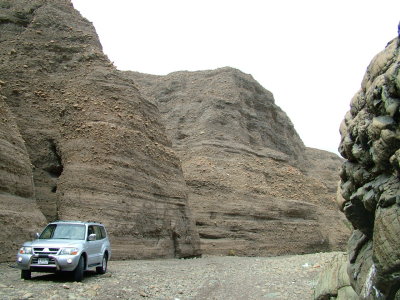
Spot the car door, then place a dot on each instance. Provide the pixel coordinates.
(99, 244)
(93, 247)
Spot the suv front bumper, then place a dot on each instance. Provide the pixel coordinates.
(50, 263)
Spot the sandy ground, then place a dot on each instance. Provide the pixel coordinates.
(211, 277)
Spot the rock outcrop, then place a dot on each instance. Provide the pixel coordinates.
(370, 186)
(98, 149)
(255, 189)
(334, 282)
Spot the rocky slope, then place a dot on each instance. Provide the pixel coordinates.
(255, 189)
(370, 184)
(97, 148)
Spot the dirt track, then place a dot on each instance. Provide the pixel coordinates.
(285, 277)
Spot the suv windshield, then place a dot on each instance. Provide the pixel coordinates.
(64, 231)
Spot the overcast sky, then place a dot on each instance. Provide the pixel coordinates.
(310, 54)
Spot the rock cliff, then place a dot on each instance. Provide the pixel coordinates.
(20, 217)
(141, 153)
(97, 148)
(370, 186)
(255, 189)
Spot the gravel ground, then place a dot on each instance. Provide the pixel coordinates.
(210, 277)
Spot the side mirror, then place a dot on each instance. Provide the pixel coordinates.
(92, 237)
(36, 235)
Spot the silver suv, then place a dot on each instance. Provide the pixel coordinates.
(66, 246)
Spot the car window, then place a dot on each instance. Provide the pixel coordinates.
(90, 230)
(103, 232)
(64, 231)
(97, 231)
(48, 232)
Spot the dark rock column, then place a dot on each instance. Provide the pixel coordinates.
(370, 178)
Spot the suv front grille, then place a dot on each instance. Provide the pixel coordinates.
(45, 251)
(35, 261)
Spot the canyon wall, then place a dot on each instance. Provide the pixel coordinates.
(94, 147)
(167, 163)
(255, 189)
(20, 216)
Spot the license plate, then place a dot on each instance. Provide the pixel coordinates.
(43, 261)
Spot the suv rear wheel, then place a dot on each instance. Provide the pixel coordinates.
(103, 268)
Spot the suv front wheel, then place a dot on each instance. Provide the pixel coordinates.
(26, 274)
(78, 272)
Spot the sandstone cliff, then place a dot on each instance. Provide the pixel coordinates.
(97, 148)
(20, 217)
(255, 189)
(370, 184)
(90, 144)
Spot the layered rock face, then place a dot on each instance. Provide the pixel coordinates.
(255, 189)
(97, 147)
(370, 184)
(88, 145)
(20, 217)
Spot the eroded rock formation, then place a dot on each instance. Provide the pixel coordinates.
(255, 189)
(370, 184)
(97, 147)
(20, 217)
(92, 143)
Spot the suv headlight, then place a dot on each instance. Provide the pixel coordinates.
(25, 250)
(69, 251)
